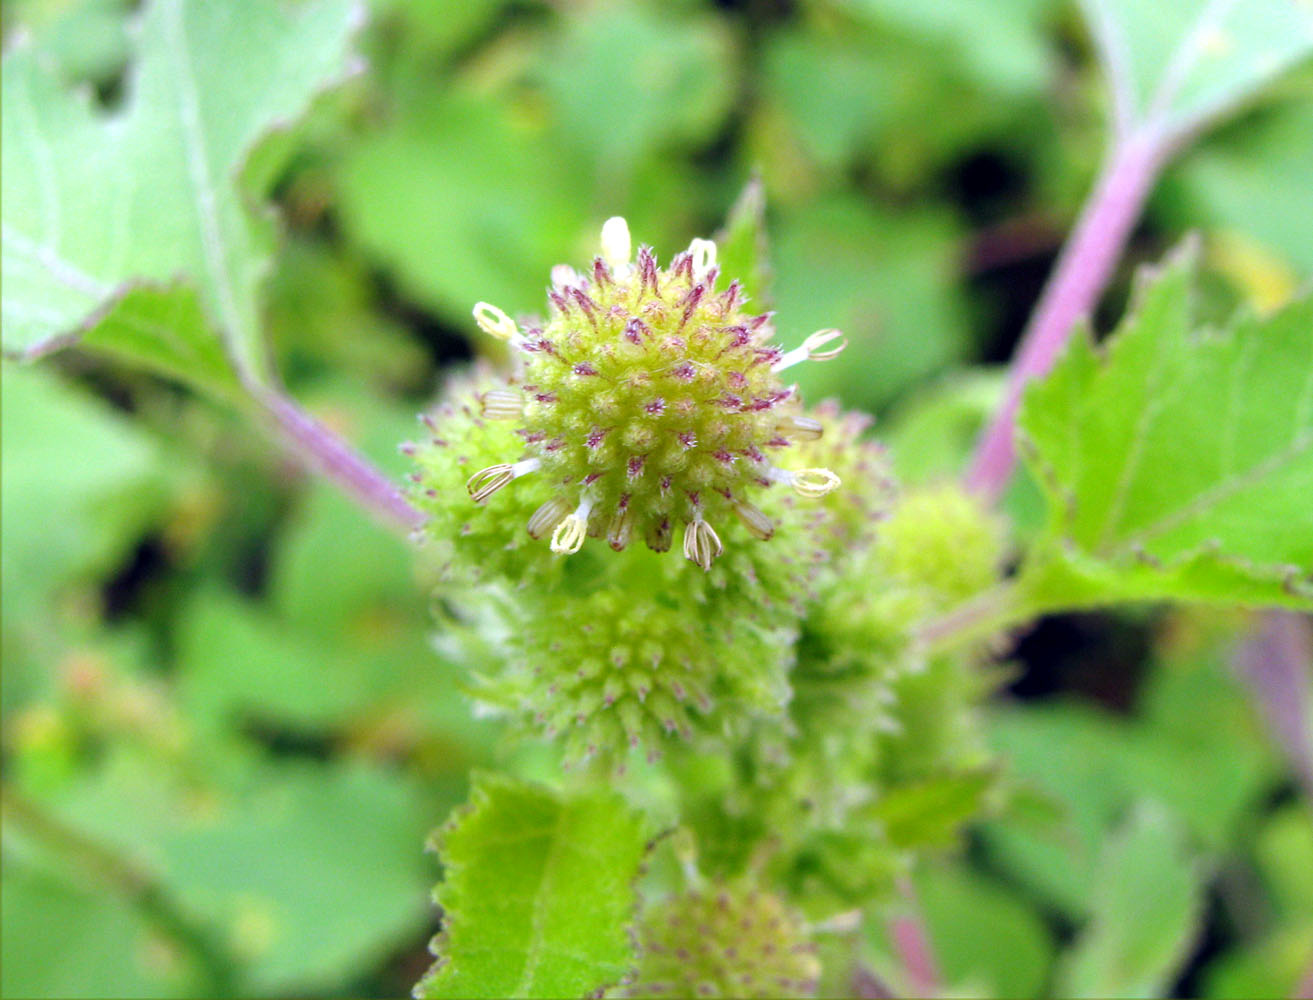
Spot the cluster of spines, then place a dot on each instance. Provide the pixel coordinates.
(624, 458)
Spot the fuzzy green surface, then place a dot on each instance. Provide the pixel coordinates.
(729, 940)
(655, 396)
(611, 651)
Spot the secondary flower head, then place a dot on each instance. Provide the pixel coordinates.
(651, 402)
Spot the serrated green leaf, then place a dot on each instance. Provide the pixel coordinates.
(1192, 60)
(741, 249)
(1176, 464)
(97, 205)
(538, 894)
(1147, 908)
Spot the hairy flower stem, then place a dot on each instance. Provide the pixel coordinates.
(1083, 270)
(326, 453)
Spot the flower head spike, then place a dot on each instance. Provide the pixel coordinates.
(649, 399)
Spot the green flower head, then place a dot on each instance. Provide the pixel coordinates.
(651, 402)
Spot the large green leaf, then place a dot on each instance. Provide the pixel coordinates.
(98, 205)
(306, 873)
(1146, 913)
(1191, 60)
(538, 893)
(1176, 464)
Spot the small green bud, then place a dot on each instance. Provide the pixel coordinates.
(731, 940)
(942, 541)
(651, 405)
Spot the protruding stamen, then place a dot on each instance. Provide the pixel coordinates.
(501, 404)
(811, 350)
(563, 275)
(616, 245)
(486, 482)
(496, 323)
(621, 530)
(569, 535)
(802, 428)
(809, 483)
(701, 543)
(548, 516)
(703, 253)
(757, 523)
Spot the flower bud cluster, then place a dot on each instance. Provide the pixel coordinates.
(726, 940)
(647, 412)
(650, 403)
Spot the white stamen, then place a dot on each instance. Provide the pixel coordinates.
(486, 482)
(563, 276)
(548, 516)
(501, 404)
(703, 253)
(809, 483)
(616, 245)
(809, 351)
(495, 323)
(701, 543)
(802, 428)
(569, 535)
(758, 524)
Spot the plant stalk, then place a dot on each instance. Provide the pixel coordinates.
(1082, 272)
(324, 452)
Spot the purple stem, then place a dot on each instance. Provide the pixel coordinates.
(1082, 272)
(327, 454)
(912, 943)
(1275, 661)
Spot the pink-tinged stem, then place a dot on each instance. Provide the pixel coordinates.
(913, 946)
(324, 452)
(1083, 270)
(1275, 660)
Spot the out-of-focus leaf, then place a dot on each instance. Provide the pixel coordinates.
(238, 663)
(1145, 913)
(307, 873)
(538, 893)
(117, 952)
(625, 80)
(987, 941)
(323, 317)
(929, 813)
(1176, 464)
(1194, 59)
(931, 435)
(1285, 857)
(1002, 46)
(87, 40)
(741, 247)
(886, 280)
(96, 205)
(1092, 765)
(1250, 184)
(464, 202)
(79, 485)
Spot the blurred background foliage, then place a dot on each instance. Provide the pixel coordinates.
(226, 729)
